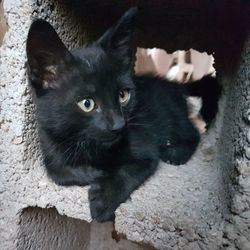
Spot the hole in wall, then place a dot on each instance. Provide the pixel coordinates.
(45, 228)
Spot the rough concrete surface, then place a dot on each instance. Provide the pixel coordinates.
(180, 206)
(23, 180)
(204, 204)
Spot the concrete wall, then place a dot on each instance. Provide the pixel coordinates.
(24, 182)
(233, 153)
(203, 204)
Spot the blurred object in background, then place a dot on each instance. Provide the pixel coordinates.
(194, 106)
(154, 61)
(181, 66)
(181, 69)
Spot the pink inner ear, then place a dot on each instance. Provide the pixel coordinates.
(52, 69)
(50, 76)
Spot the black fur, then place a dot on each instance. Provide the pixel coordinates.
(114, 148)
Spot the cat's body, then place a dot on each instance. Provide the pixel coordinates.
(101, 125)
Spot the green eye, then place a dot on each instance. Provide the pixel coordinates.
(87, 105)
(124, 96)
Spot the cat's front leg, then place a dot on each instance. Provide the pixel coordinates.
(177, 154)
(106, 195)
(180, 148)
(80, 176)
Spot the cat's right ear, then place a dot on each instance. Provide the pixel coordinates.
(117, 40)
(47, 56)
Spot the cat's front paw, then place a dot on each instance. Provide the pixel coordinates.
(102, 202)
(175, 155)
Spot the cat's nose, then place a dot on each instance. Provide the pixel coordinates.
(118, 125)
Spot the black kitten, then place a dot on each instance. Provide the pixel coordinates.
(101, 125)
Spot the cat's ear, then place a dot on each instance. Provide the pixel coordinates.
(117, 40)
(47, 55)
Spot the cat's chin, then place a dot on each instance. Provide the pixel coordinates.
(111, 142)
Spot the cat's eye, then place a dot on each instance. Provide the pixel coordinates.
(87, 105)
(124, 96)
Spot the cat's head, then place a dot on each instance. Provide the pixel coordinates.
(87, 93)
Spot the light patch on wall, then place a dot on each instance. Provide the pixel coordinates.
(3, 23)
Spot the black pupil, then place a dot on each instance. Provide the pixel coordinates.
(122, 94)
(87, 103)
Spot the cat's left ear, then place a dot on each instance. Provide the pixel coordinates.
(117, 40)
(47, 56)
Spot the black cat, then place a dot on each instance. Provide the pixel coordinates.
(100, 124)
